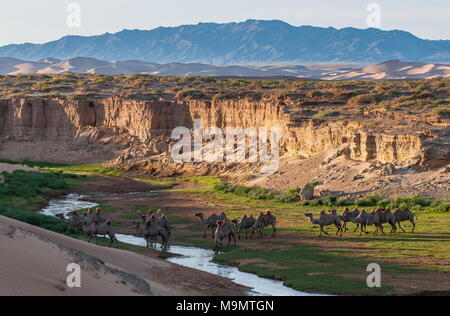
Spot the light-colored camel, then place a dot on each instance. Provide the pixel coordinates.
(361, 222)
(224, 229)
(262, 221)
(347, 217)
(404, 216)
(153, 229)
(210, 222)
(163, 221)
(245, 223)
(326, 220)
(96, 228)
(380, 217)
(74, 221)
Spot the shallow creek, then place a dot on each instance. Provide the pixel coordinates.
(192, 257)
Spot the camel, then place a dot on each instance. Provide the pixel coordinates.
(245, 223)
(380, 217)
(74, 221)
(361, 222)
(140, 223)
(210, 222)
(404, 216)
(153, 229)
(347, 217)
(96, 228)
(262, 221)
(224, 229)
(326, 220)
(98, 215)
(163, 221)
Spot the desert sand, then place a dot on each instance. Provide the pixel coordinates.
(34, 262)
(393, 69)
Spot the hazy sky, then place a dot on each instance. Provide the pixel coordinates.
(45, 20)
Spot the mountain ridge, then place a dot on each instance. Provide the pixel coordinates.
(252, 41)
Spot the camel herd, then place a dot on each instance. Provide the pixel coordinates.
(156, 224)
(222, 227)
(362, 219)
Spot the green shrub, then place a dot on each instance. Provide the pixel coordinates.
(442, 113)
(365, 99)
(190, 93)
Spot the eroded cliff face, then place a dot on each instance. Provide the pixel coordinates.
(117, 129)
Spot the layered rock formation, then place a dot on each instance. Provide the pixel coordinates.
(123, 129)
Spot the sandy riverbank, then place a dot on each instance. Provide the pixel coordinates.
(34, 262)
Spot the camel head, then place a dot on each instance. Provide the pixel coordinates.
(309, 215)
(220, 223)
(235, 221)
(200, 215)
(89, 211)
(61, 216)
(98, 211)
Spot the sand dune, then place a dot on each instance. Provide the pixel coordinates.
(34, 262)
(393, 69)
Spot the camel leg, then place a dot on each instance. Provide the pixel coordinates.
(274, 231)
(357, 226)
(96, 239)
(253, 232)
(234, 239)
(204, 233)
(394, 229)
(340, 229)
(400, 226)
(323, 231)
(414, 226)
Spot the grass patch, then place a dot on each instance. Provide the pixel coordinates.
(86, 169)
(305, 268)
(165, 182)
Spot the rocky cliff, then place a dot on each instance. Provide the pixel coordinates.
(121, 130)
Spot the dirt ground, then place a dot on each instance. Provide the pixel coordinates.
(181, 206)
(344, 177)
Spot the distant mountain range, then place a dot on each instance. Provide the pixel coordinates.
(393, 69)
(252, 41)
